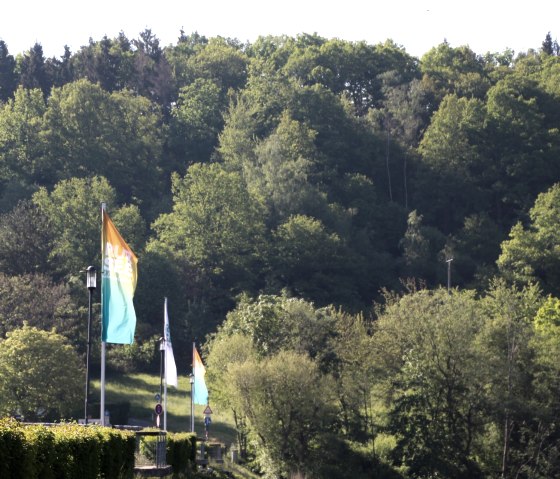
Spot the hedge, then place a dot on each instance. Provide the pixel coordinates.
(65, 451)
(181, 453)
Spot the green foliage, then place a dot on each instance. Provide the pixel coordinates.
(309, 260)
(65, 451)
(40, 374)
(12, 450)
(465, 395)
(323, 168)
(359, 462)
(220, 61)
(284, 169)
(288, 405)
(196, 122)
(455, 70)
(8, 77)
(73, 210)
(21, 143)
(215, 227)
(181, 453)
(117, 452)
(134, 357)
(531, 253)
(424, 344)
(547, 327)
(91, 132)
(25, 240)
(40, 446)
(37, 301)
(279, 322)
(451, 148)
(421, 247)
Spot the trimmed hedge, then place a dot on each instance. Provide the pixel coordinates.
(181, 453)
(12, 450)
(65, 451)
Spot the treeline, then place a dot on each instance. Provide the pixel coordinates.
(321, 168)
(449, 384)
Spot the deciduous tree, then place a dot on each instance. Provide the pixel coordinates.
(40, 375)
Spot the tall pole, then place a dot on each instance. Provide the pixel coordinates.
(161, 360)
(449, 274)
(103, 344)
(165, 404)
(91, 284)
(165, 372)
(191, 378)
(192, 388)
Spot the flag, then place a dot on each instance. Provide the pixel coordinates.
(118, 285)
(170, 366)
(200, 391)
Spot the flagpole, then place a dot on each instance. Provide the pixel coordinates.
(161, 366)
(103, 344)
(164, 362)
(192, 389)
(165, 406)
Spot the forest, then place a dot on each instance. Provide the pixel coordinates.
(364, 244)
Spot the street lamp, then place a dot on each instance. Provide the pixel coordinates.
(91, 283)
(448, 261)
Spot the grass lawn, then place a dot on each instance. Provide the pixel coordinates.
(141, 389)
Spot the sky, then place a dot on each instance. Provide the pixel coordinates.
(483, 25)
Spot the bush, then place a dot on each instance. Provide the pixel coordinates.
(133, 357)
(117, 453)
(78, 452)
(181, 453)
(12, 450)
(65, 451)
(358, 463)
(40, 447)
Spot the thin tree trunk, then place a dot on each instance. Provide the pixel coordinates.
(388, 169)
(405, 185)
(505, 454)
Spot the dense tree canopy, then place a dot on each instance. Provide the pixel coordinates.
(300, 200)
(33, 364)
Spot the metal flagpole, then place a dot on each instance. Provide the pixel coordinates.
(103, 344)
(192, 389)
(161, 354)
(164, 362)
(165, 405)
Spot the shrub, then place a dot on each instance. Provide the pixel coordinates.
(117, 453)
(78, 452)
(65, 451)
(40, 447)
(181, 452)
(12, 450)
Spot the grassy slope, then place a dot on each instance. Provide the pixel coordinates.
(140, 390)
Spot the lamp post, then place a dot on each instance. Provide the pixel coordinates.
(91, 283)
(448, 261)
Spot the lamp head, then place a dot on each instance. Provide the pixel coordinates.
(91, 278)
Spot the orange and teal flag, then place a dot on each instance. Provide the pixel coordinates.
(118, 285)
(200, 392)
